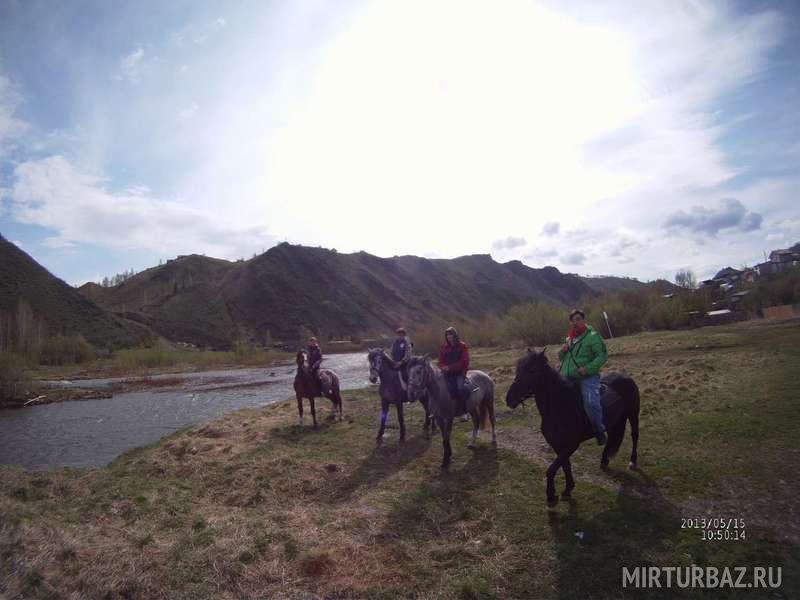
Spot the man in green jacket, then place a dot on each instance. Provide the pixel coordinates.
(582, 357)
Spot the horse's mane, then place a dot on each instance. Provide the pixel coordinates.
(552, 376)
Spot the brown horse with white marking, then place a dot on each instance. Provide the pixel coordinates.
(308, 386)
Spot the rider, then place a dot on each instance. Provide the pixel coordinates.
(454, 363)
(314, 358)
(401, 352)
(582, 356)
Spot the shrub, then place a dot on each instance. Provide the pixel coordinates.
(536, 324)
(14, 380)
(65, 350)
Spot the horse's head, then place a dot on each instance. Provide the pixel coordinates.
(531, 370)
(375, 358)
(301, 359)
(419, 374)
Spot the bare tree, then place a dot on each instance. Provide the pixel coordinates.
(686, 279)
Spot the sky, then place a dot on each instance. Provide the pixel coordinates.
(616, 138)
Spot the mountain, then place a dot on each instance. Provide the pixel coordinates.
(607, 284)
(290, 290)
(35, 304)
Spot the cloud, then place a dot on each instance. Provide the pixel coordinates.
(131, 66)
(550, 229)
(540, 253)
(573, 258)
(12, 128)
(188, 113)
(52, 193)
(732, 214)
(508, 243)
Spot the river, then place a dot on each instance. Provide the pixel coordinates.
(91, 433)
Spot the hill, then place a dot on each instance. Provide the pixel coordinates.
(36, 304)
(292, 290)
(608, 284)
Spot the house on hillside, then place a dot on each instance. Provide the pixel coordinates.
(729, 274)
(784, 258)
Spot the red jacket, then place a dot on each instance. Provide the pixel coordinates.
(456, 357)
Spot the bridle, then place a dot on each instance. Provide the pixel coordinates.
(375, 365)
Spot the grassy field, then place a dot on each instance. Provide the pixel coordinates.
(254, 506)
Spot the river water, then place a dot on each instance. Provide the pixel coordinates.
(91, 433)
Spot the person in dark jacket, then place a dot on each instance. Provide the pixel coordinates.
(582, 356)
(454, 363)
(401, 353)
(314, 357)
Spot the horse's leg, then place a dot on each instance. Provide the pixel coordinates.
(401, 420)
(475, 423)
(634, 419)
(446, 426)
(426, 427)
(566, 465)
(552, 499)
(493, 420)
(384, 416)
(300, 408)
(313, 412)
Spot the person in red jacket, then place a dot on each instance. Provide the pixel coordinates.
(454, 362)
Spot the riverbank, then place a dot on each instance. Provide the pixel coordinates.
(252, 505)
(135, 370)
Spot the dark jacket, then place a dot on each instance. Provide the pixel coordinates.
(314, 356)
(456, 357)
(401, 349)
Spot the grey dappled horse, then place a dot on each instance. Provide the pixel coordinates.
(391, 392)
(423, 377)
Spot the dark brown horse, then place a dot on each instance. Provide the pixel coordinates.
(308, 386)
(564, 422)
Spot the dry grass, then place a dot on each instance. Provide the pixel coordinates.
(252, 505)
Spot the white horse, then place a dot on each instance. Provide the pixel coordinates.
(423, 377)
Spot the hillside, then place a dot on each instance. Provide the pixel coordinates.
(33, 302)
(607, 284)
(291, 290)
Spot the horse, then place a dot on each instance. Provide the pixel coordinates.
(422, 377)
(391, 392)
(564, 421)
(307, 386)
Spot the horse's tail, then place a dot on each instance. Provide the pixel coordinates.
(483, 409)
(630, 395)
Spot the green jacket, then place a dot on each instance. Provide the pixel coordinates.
(589, 351)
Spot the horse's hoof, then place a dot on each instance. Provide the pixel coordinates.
(379, 440)
(471, 445)
(402, 439)
(494, 443)
(551, 502)
(566, 494)
(632, 466)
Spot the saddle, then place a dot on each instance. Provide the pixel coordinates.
(609, 399)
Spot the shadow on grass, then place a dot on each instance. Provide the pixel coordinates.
(641, 527)
(296, 432)
(445, 499)
(379, 464)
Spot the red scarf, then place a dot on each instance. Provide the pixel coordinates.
(576, 332)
